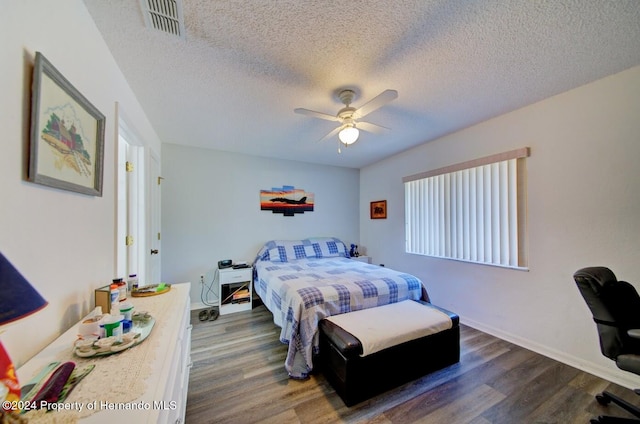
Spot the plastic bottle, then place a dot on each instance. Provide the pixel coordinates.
(115, 299)
(122, 287)
(113, 326)
(126, 310)
(133, 282)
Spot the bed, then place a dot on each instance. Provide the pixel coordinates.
(304, 281)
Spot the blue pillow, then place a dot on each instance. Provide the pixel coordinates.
(311, 248)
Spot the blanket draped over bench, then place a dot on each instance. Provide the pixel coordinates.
(304, 281)
(390, 325)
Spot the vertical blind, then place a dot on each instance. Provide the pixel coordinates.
(472, 211)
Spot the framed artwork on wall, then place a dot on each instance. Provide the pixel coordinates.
(286, 200)
(67, 134)
(379, 209)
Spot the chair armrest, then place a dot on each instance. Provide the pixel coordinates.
(635, 333)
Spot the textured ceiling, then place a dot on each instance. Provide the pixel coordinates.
(241, 69)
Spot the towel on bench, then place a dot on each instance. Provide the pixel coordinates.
(389, 325)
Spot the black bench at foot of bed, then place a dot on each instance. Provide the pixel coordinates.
(356, 378)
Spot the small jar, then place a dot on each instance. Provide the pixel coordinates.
(122, 288)
(126, 310)
(113, 327)
(115, 293)
(133, 282)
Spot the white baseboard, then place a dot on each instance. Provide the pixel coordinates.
(620, 377)
(199, 305)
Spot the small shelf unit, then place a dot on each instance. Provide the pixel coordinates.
(235, 288)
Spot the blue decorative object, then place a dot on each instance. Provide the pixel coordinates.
(17, 297)
(17, 300)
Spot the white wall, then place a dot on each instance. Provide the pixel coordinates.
(62, 242)
(583, 209)
(211, 208)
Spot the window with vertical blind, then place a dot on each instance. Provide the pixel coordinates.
(473, 211)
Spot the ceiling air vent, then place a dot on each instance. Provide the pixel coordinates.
(164, 15)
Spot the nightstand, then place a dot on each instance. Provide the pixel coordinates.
(235, 287)
(365, 259)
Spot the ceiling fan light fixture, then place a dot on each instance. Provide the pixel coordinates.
(347, 116)
(349, 134)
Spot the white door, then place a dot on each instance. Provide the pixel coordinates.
(135, 207)
(155, 238)
(131, 204)
(129, 208)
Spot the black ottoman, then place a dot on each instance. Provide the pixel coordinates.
(356, 378)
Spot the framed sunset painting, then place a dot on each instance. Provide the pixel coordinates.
(286, 200)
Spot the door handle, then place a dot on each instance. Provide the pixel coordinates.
(154, 251)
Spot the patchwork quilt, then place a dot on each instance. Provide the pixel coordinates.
(304, 281)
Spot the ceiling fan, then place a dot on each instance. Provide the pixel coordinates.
(349, 117)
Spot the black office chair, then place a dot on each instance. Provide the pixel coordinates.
(615, 306)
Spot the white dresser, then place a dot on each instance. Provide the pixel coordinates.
(147, 383)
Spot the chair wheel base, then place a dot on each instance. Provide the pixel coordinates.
(603, 399)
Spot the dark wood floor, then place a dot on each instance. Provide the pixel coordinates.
(238, 377)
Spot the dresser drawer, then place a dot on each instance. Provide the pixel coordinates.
(235, 275)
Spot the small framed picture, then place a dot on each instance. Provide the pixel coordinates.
(67, 134)
(379, 209)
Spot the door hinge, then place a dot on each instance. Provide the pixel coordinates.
(128, 240)
(128, 166)
(160, 179)
(158, 236)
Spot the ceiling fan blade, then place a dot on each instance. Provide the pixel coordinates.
(372, 128)
(331, 134)
(376, 103)
(315, 114)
